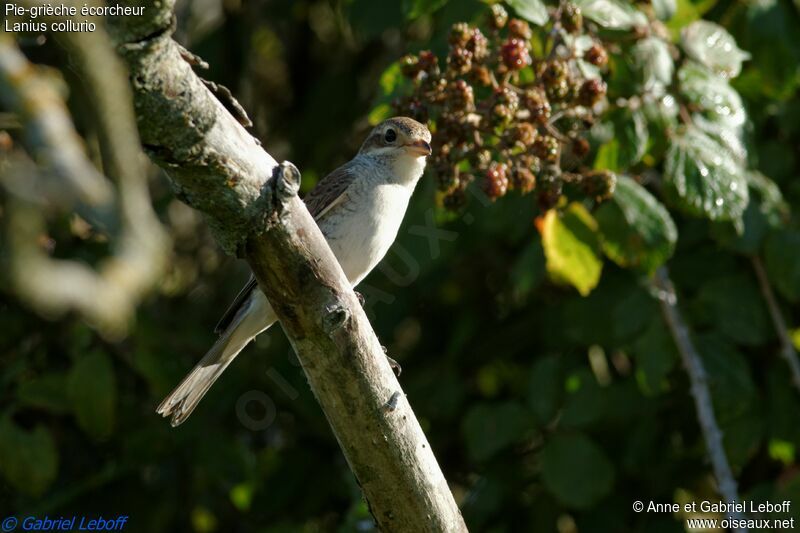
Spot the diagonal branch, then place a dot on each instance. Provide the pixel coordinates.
(251, 204)
(700, 391)
(787, 347)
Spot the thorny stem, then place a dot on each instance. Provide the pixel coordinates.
(787, 347)
(699, 388)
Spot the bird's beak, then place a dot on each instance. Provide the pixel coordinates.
(419, 147)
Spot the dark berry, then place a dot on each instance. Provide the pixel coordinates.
(519, 29)
(478, 44)
(580, 147)
(572, 18)
(535, 101)
(428, 62)
(599, 184)
(460, 96)
(596, 55)
(546, 147)
(591, 92)
(460, 34)
(550, 186)
(523, 179)
(515, 54)
(498, 16)
(495, 183)
(410, 66)
(506, 104)
(459, 61)
(455, 200)
(523, 134)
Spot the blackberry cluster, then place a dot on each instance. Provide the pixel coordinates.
(507, 117)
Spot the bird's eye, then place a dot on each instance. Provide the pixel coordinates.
(390, 136)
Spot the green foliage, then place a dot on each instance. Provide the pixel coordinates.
(548, 409)
(91, 387)
(571, 246)
(637, 229)
(28, 459)
(576, 470)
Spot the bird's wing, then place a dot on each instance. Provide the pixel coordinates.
(327, 193)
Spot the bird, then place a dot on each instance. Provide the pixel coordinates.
(359, 208)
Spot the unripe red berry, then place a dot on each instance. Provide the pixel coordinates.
(515, 54)
(495, 183)
(519, 29)
(596, 55)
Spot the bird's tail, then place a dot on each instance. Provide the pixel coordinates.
(181, 402)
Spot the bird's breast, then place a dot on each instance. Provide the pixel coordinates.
(364, 228)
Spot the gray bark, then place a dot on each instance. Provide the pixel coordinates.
(251, 204)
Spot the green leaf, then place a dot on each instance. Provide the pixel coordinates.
(576, 471)
(531, 10)
(28, 459)
(414, 9)
(636, 228)
(653, 60)
(665, 9)
(545, 388)
(612, 14)
(655, 356)
(771, 202)
(488, 428)
(706, 181)
(719, 101)
(584, 400)
(48, 392)
(734, 305)
(571, 247)
(782, 261)
(714, 47)
(93, 392)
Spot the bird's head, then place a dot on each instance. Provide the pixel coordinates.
(398, 137)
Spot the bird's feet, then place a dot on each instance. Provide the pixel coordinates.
(392, 363)
(360, 297)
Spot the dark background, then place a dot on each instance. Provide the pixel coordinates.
(547, 411)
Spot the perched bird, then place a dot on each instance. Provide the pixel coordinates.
(359, 208)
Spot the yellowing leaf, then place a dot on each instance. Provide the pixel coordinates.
(572, 247)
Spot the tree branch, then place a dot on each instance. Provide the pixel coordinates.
(787, 347)
(218, 168)
(699, 387)
(106, 297)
